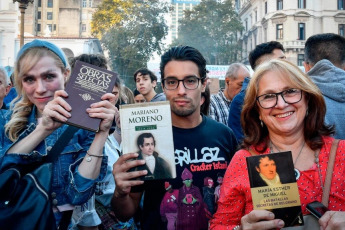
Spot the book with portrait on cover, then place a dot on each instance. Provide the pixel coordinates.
(87, 84)
(146, 129)
(274, 187)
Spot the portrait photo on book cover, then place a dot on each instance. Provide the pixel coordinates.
(271, 170)
(152, 151)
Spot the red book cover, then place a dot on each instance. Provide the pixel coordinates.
(87, 84)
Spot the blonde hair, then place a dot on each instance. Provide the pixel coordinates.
(314, 126)
(22, 105)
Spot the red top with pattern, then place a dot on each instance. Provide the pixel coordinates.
(236, 200)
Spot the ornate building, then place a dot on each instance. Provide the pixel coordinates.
(290, 22)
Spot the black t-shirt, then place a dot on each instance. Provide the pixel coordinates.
(205, 151)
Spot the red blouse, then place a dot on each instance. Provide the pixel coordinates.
(235, 197)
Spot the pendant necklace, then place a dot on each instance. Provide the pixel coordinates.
(297, 172)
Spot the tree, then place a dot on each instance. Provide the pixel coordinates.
(212, 28)
(133, 38)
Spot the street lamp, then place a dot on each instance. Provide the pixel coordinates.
(23, 4)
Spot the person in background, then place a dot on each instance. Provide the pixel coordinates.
(324, 56)
(12, 93)
(129, 95)
(138, 97)
(146, 82)
(283, 111)
(35, 122)
(262, 52)
(205, 101)
(219, 105)
(4, 87)
(183, 70)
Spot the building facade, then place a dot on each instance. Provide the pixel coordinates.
(60, 18)
(177, 13)
(289, 22)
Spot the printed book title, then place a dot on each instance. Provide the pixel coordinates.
(93, 79)
(140, 116)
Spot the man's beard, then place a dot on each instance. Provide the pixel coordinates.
(183, 111)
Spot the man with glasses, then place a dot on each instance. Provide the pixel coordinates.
(202, 145)
(220, 102)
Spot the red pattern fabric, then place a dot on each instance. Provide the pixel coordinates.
(235, 197)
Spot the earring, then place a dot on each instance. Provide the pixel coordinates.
(306, 113)
(261, 123)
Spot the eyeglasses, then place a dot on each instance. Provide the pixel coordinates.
(172, 83)
(290, 96)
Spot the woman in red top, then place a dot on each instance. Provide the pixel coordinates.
(283, 111)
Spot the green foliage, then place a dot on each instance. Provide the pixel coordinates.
(132, 41)
(212, 28)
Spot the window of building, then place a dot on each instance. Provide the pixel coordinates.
(265, 7)
(54, 27)
(301, 31)
(279, 31)
(246, 24)
(341, 29)
(39, 3)
(256, 15)
(39, 15)
(83, 27)
(84, 3)
(50, 4)
(300, 59)
(279, 4)
(38, 27)
(50, 27)
(90, 3)
(49, 15)
(341, 4)
(301, 4)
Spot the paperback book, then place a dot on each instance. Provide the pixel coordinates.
(146, 129)
(87, 84)
(274, 187)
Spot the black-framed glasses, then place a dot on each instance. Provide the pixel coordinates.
(290, 96)
(171, 83)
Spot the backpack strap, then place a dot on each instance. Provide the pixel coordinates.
(329, 172)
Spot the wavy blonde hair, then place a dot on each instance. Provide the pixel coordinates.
(22, 106)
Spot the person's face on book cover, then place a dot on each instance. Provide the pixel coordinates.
(267, 168)
(183, 102)
(148, 146)
(41, 82)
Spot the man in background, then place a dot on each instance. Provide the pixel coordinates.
(325, 63)
(261, 53)
(4, 87)
(146, 82)
(220, 102)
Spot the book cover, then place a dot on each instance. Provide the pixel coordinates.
(274, 187)
(87, 84)
(146, 129)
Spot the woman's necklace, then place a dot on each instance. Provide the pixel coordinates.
(297, 172)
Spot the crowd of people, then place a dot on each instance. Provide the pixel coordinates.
(279, 108)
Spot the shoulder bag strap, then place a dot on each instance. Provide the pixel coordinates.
(329, 172)
(61, 143)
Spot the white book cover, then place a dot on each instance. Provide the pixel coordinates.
(146, 129)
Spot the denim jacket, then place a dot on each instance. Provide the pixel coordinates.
(68, 187)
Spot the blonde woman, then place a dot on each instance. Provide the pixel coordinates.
(33, 126)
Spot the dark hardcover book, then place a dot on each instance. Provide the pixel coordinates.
(87, 84)
(274, 187)
(146, 129)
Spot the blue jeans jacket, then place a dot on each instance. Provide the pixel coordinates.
(68, 187)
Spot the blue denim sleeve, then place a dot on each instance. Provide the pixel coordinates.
(79, 188)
